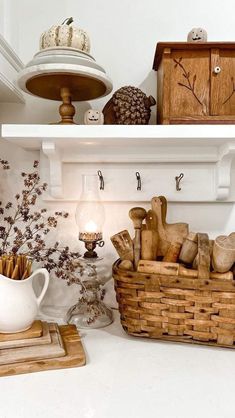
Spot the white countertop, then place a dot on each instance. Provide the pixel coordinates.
(128, 377)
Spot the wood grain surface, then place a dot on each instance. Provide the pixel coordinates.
(75, 356)
(38, 352)
(33, 332)
(195, 82)
(26, 342)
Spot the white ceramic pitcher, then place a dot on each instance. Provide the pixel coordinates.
(18, 303)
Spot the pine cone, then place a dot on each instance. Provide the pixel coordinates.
(128, 106)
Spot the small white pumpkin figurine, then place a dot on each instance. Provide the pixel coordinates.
(93, 117)
(197, 35)
(65, 35)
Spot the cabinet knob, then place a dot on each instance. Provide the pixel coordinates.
(217, 70)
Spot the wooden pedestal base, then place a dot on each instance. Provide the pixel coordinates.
(66, 110)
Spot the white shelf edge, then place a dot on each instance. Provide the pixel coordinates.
(180, 132)
(213, 144)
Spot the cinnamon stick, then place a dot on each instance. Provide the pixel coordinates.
(15, 274)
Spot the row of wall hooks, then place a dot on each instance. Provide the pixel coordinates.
(139, 183)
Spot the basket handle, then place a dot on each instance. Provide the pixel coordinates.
(203, 256)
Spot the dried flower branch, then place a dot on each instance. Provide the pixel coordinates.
(24, 229)
(5, 164)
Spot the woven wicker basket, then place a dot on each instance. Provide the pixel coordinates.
(176, 308)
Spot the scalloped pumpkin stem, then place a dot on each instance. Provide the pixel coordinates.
(67, 21)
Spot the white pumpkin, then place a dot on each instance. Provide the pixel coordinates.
(93, 117)
(65, 35)
(197, 35)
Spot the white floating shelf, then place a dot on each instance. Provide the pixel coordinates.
(10, 65)
(203, 152)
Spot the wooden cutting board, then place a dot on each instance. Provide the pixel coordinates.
(75, 356)
(38, 352)
(34, 332)
(27, 342)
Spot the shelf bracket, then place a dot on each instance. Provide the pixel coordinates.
(55, 168)
(223, 171)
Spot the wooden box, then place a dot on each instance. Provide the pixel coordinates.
(174, 308)
(195, 82)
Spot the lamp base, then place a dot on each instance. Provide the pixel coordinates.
(85, 315)
(90, 311)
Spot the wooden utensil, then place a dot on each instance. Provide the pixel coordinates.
(163, 243)
(175, 232)
(189, 248)
(149, 237)
(223, 256)
(151, 220)
(75, 356)
(176, 269)
(168, 233)
(123, 245)
(204, 260)
(173, 252)
(137, 216)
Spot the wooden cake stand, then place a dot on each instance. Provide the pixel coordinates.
(64, 74)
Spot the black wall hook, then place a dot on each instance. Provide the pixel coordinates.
(101, 179)
(139, 185)
(178, 180)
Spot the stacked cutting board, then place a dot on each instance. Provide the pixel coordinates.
(45, 346)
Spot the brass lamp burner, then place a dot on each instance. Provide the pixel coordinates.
(91, 240)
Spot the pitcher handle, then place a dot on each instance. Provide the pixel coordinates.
(45, 273)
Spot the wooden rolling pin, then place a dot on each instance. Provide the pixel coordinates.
(149, 237)
(189, 248)
(173, 252)
(175, 269)
(137, 216)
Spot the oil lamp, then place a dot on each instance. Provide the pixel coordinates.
(90, 311)
(90, 216)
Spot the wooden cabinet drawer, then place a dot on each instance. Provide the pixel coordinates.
(195, 82)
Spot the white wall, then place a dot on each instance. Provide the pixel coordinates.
(123, 34)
